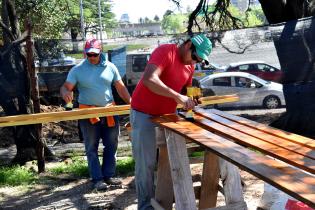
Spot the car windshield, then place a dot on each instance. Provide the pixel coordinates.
(257, 79)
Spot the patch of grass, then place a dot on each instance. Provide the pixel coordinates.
(197, 154)
(16, 175)
(76, 166)
(76, 55)
(124, 151)
(125, 166)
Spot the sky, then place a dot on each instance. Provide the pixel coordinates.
(147, 8)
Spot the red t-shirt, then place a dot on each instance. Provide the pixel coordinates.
(174, 75)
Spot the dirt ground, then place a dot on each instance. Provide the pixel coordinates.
(73, 193)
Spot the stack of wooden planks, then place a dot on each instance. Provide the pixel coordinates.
(282, 159)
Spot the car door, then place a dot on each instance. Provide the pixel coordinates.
(247, 90)
(254, 70)
(217, 85)
(220, 86)
(270, 73)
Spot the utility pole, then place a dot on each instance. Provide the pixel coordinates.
(100, 19)
(82, 20)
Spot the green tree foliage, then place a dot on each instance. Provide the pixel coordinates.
(251, 17)
(222, 16)
(52, 18)
(48, 17)
(174, 23)
(91, 17)
(234, 18)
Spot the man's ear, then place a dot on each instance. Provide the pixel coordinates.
(188, 45)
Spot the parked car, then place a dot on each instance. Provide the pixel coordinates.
(252, 90)
(257, 68)
(202, 70)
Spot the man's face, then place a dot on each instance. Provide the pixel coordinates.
(191, 57)
(93, 58)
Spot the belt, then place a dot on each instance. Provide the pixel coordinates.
(110, 119)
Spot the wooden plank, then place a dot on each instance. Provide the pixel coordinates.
(160, 136)
(227, 98)
(180, 170)
(288, 145)
(164, 193)
(215, 100)
(302, 140)
(231, 181)
(62, 118)
(156, 205)
(209, 181)
(280, 153)
(74, 112)
(290, 180)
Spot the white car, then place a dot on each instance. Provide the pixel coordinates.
(251, 90)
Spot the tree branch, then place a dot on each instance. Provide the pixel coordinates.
(7, 30)
(15, 43)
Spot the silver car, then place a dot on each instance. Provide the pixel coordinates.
(251, 90)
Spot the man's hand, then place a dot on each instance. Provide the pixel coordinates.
(66, 92)
(67, 96)
(187, 102)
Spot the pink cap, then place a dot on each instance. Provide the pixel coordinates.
(93, 45)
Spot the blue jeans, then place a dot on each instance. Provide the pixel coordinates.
(144, 153)
(92, 133)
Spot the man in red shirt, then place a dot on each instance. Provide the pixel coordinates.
(167, 73)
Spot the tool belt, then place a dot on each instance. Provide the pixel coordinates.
(110, 119)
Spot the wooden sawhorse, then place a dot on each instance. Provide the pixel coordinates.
(174, 178)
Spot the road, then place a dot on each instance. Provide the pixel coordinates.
(264, 51)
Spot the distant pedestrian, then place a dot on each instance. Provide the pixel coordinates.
(168, 72)
(93, 78)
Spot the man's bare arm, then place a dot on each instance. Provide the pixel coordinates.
(122, 91)
(66, 92)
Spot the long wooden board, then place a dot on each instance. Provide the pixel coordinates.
(295, 182)
(77, 114)
(296, 159)
(64, 115)
(266, 137)
(304, 141)
(208, 100)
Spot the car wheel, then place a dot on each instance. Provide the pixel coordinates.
(271, 102)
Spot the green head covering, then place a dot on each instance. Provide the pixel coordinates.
(203, 46)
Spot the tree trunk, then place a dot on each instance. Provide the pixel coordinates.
(295, 47)
(15, 100)
(15, 97)
(74, 35)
